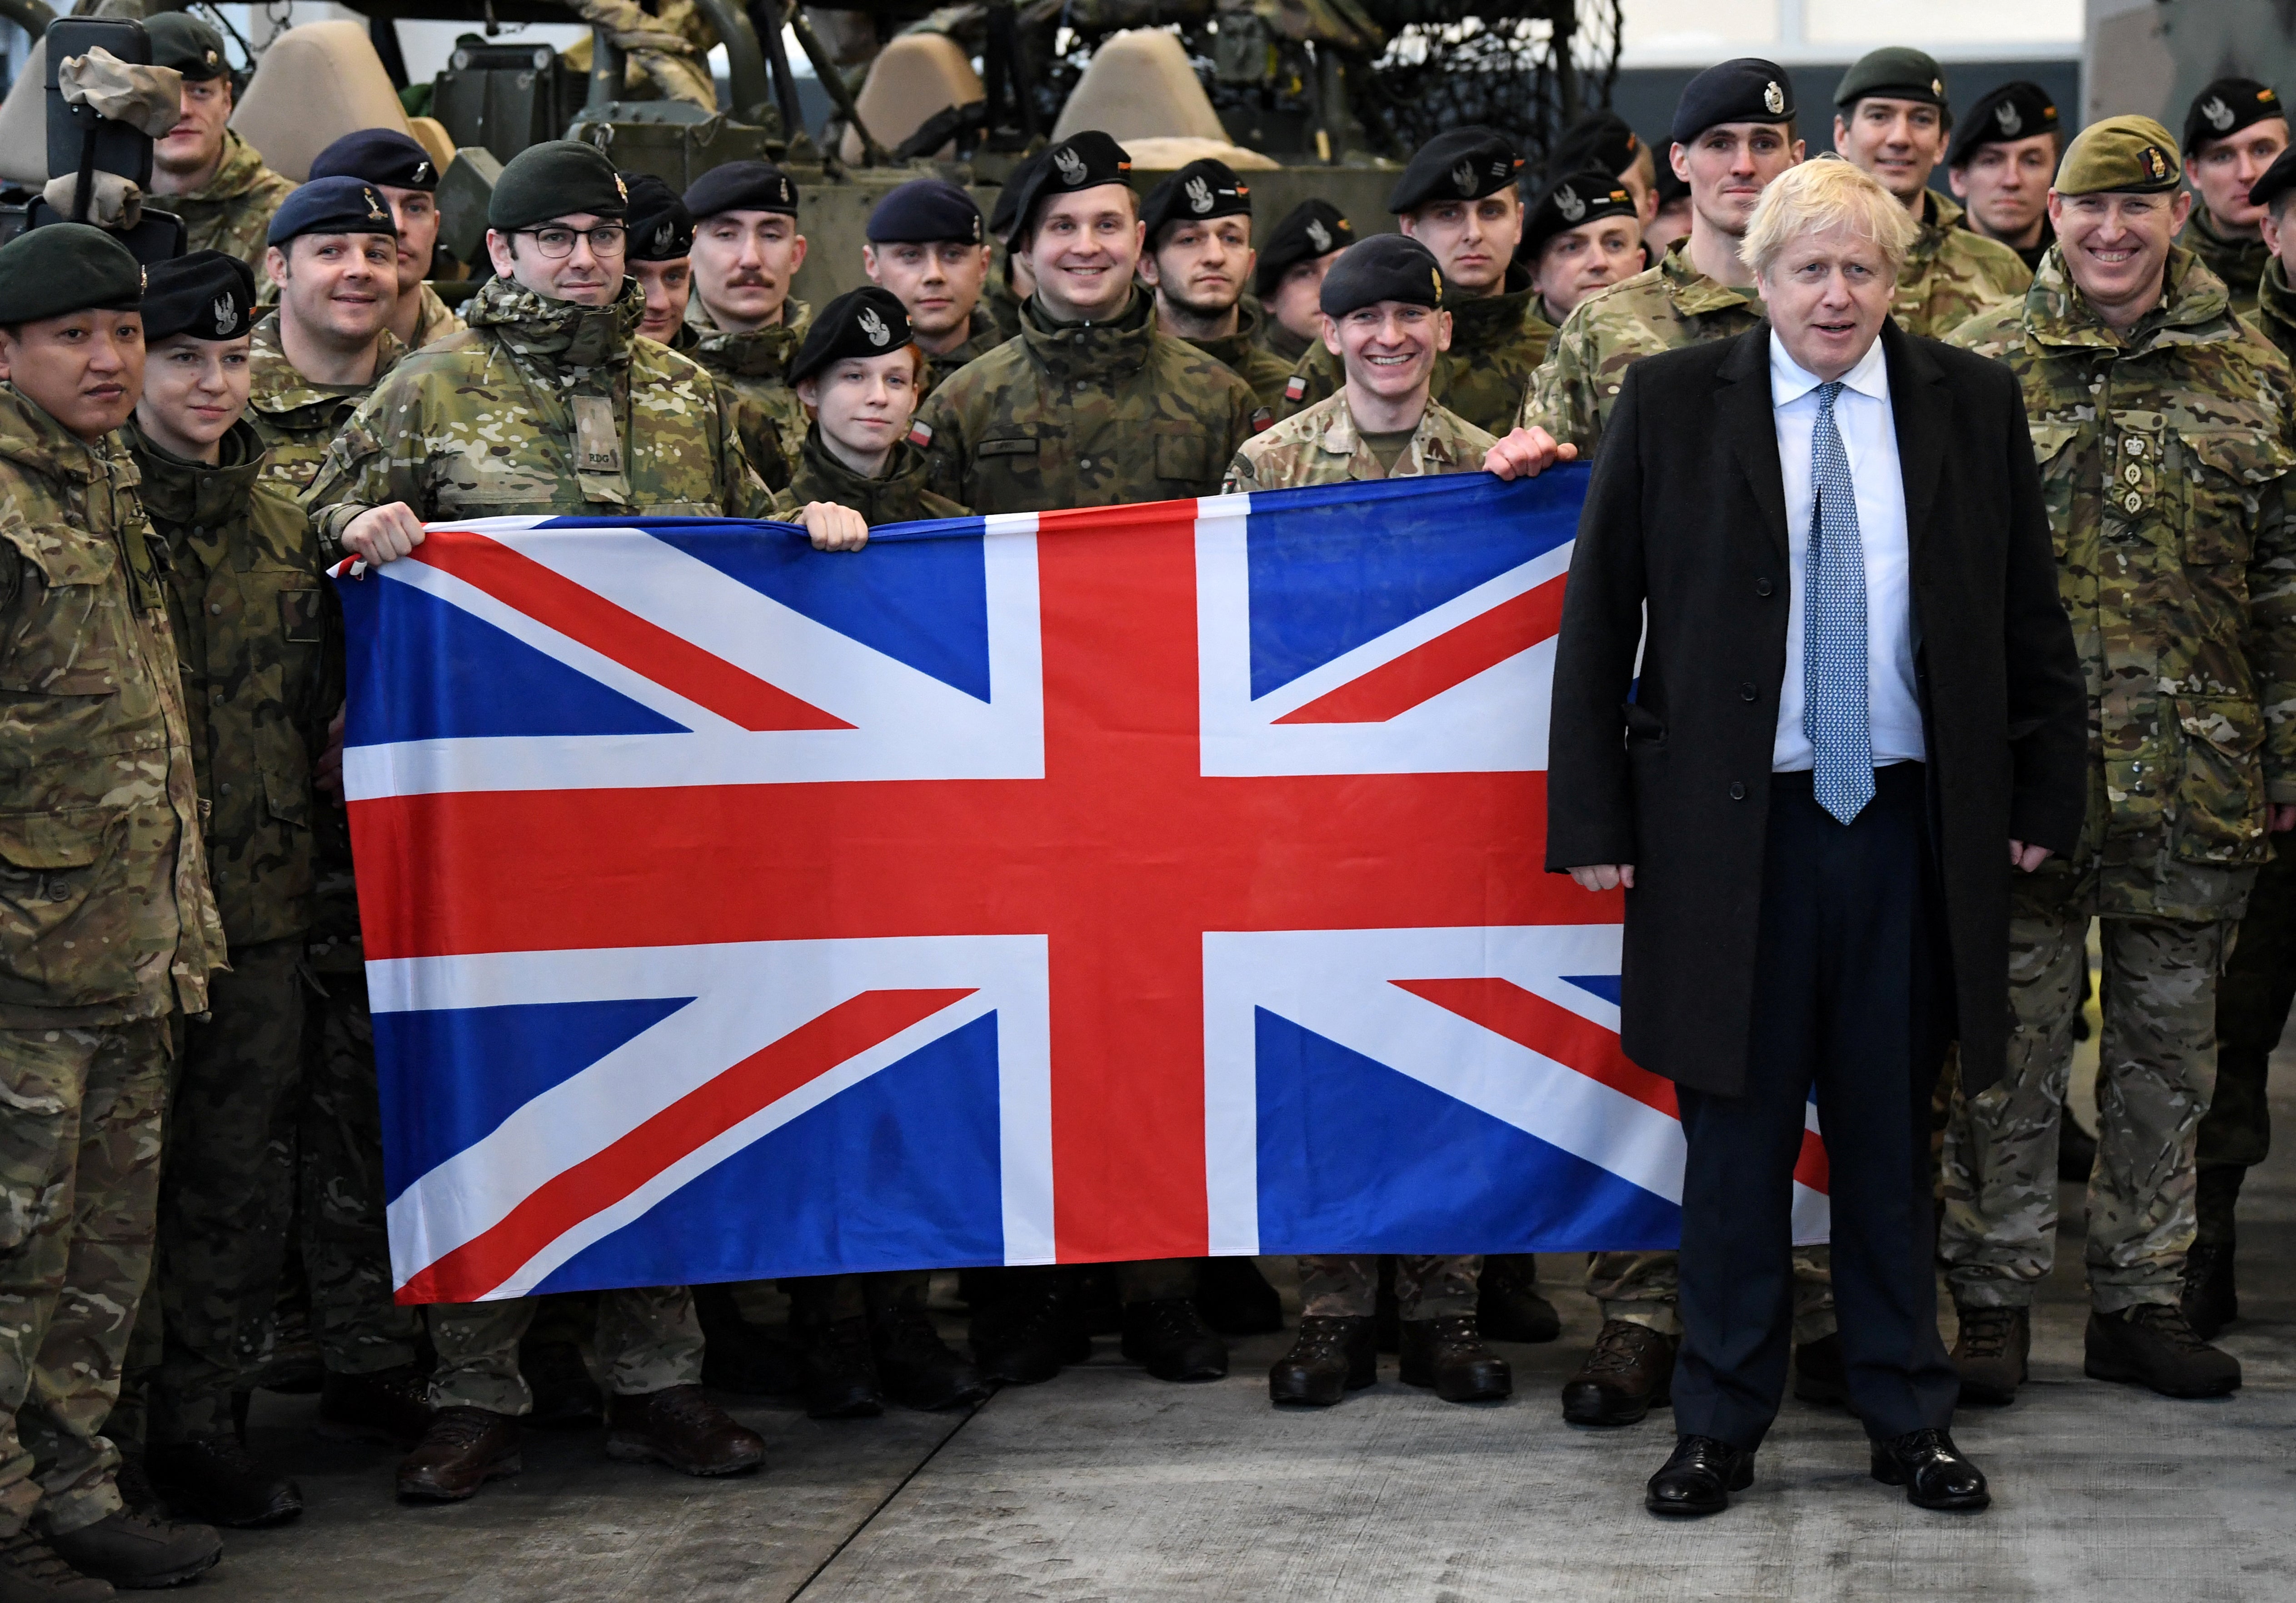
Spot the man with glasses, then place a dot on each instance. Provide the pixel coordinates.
(550, 404)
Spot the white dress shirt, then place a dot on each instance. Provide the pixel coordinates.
(1869, 436)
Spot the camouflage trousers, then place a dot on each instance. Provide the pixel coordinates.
(647, 1338)
(1346, 1285)
(346, 1248)
(1644, 1288)
(2253, 1003)
(2156, 1067)
(79, 1173)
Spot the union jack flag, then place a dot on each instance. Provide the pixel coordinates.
(1137, 882)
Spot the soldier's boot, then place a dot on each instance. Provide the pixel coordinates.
(1449, 1354)
(463, 1450)
(295, 1367)
(215, 1479)
(136, 1553)
(679, 1426)
(1331, 1356)
(1169, 1338)
(2151, 1345)
(1508, 1303)
(1628, 1372)
(916, 1367)
(1820, 1373)
(739, 1356)
(1236, 1299)
(1991, 1351)
(388, 1406)
(1028, 1330)
(566, 1396)
(840, 1371)
(2210, 1299)
(33, 1572)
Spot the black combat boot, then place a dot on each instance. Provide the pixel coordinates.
(1169, 1338)
(2210, 1299)
(1449, 1354)
(1236, 1299)
(215, 1479)
(33, 1572)
(389, 1406)
(2151, 1345)
(1027, 1329)
(1508, 1303)
(749, 1360)
(916, 1367)
(1629, 1372)
(1991, 1352)
(1330, 1357)
(840, 1371)
(136, 1553)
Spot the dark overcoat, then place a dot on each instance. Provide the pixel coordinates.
(1684, 522)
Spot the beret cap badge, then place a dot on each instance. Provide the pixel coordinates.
(226, 314)
(1567, 202)
(1199, 196)
(2156, 164)
(1319, 236)
(2219, 115)
(1464, 175)
(1070, 165)
(2005, 117)
(1773, 97)
(874, 327)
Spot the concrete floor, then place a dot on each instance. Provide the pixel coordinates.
(1105, 1484)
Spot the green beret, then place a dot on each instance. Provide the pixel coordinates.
(191, 47)
(1894, 73)
(557, 178)
(66, 267)
(2130, 155)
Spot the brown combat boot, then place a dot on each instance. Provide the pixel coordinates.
(679, 1426)
(463, 1450)
(1629, 1372)
(1449, 1354)
(1991, 1352)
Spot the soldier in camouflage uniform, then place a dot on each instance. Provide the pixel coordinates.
(1088, 406)
(1458, 198)
(1198, 260)
(107, 930)
(747, 325)
(2000, 163)
(548, 403)
(2234, 129)
(1891, 119)
(928, 245)
(1581, 235)
(1298, 252)
(2162, 430)
(245, 602)
(201, 170)
(403, 174)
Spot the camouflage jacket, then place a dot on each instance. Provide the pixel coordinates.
(296, 419)
(2275, 316)
(997, 299)
(248, 605)
(436, 320)
(1666, 306)
(1497, 342)
(1085, 415)
(2164, 455)
(1245, 355)
(1323, 446)
(897, 495)
(1952, 274)
(105, 914)
(751, 365)
(232, 211)
(982, 336)
(539, 406)
(1286, 347)
(2238, 263)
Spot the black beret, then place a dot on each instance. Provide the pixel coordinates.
(1465, 164)
(1005, 215)
(557, 178)
(925, 211)
(2226, 107)
(1896, 73)
(2018, 110)
(1585, 197)
(1197, 192)
(191, 47)
(66, 267)
(331, 205)
(1310, 229)
(2278, 179)
(1085, 160)
(866, 322)
(1746, 89)
(742, 186)
(378, 156)
(1600, 139)
(661, 230)
(1386, 267)
(206, 295)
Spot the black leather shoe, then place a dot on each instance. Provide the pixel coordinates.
(840, 1371)
(1329, 1358)
(1169, 1338)
(1029, 1330)
(1991, 1352)
(1236, 1299)
(389, 1406)
(1629, 1372)
(1699, 1478)
(1508, 1304)
(2210, 1299)
(217, 1480)
(750, 1361)
(918, 1369)
(1449, 1354)
(2151, 1345)
(1933, 1471)
(565, 1397)
(1821, 1374)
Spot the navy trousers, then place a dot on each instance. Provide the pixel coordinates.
(1847, 992)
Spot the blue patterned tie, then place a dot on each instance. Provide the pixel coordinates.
(1834, 709)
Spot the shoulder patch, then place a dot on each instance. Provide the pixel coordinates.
(1295, 387)
(1262, 417)
(920, 434)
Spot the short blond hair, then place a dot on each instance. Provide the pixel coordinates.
(1819, 196)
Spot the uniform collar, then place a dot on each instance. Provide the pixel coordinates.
(559, 334)
(239, 170)
(1116, 348)
(1694, 294)
(277, 387)
(750, 353)
(32, 438)
(2194, 309)
(1342, 439)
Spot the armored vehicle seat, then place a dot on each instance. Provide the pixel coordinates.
(24, 122)
(915, 77)
(1139, 85)
(316, 84)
